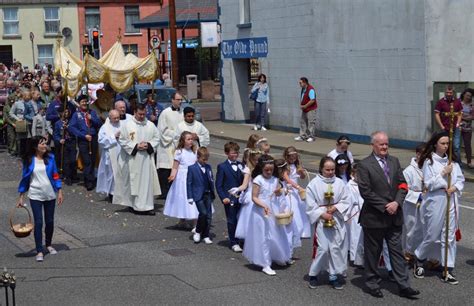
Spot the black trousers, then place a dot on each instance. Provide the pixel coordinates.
(69, 155)
(373, 244)
(88, 159)
(163, 175)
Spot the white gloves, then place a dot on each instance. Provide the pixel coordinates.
(234, 191)
(191, 201)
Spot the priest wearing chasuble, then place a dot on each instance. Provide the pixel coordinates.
(139, 140)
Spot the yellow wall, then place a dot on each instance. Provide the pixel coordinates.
(31, 19)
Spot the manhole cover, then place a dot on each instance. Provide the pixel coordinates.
(179, 252)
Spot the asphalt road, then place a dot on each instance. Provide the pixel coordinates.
(108, 256)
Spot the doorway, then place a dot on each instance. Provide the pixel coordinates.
(6, 55)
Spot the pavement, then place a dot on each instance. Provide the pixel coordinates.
(109, 256)
(319, 148)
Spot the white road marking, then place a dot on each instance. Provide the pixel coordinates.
(468, 207)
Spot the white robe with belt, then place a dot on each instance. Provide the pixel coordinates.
(433, 210)
(109, 152)
(140, 177)
(195, 127)
(331, 253)
(167, 125)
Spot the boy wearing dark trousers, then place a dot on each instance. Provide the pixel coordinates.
(200, 190)
(229, 175)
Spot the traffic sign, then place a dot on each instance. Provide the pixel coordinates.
(155, 42)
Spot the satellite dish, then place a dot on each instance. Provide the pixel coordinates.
(66, 32)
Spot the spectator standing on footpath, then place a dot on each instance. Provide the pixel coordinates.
(308, 105)
(261, 94)
(466, 124)
(443, 120)
(10, 122)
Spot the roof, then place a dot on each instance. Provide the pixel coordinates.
(186, 14)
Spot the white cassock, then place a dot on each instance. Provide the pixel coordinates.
(412, 205)
(139, 173)
(355, 237)
(330, 253)
(433, 210)
(195, 127)
(167, 125)
(109, 151)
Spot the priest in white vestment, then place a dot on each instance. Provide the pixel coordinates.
(168, 123)
(199, 131)
(121, 107)
(109, 151)
(139, 140)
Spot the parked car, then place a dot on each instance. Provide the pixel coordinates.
(162, 97)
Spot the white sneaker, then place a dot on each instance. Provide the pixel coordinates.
(263, 128)
(236, 248)
(52, 251)
(197, 237)
(193, 230)
(268, 271)
(310, 139)
(255, 128)
(299, 138)
(207, 240)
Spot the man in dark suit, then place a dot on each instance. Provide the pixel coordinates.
(200, 189)
(383, 187)
(229, 176)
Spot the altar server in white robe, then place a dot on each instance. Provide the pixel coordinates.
(436, 168)
(199, 131)
(168, 122)
(328, 199)
(109, 151)
(412, 205)
(139, 139)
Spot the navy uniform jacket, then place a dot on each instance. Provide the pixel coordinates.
(198, 182)
(227, 179)
(78, 127)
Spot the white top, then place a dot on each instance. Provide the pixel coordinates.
(333, 154)
(267, 187)
(40, 186)
(185, 157)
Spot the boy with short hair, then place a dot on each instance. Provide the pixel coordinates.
(230, 175)
(200, 190)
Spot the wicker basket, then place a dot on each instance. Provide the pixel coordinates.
(21, 230)
(284, 218)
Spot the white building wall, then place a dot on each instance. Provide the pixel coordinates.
(372, 62)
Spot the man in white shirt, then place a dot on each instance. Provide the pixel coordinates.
(199, 131)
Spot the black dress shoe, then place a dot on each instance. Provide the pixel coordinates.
(149, 213)
(391, 277)
(376, 293)
(409, 293)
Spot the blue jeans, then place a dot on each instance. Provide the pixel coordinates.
(37, 207)
(231, 213)
(205, 215)
(88, 160)
(260, 113)
(457, 145)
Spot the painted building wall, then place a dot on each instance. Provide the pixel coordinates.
(112, 17)
(372, 62)
(31, 19)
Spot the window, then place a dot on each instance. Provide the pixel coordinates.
(45, 54)
(10, 21)
(92, 17)
(244, 11)
(132, 14)
(133, 48)
(51, 20)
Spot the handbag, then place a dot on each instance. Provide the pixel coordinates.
(21, 126)
(254, 95)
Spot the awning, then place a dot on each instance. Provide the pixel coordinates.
(186, 15)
